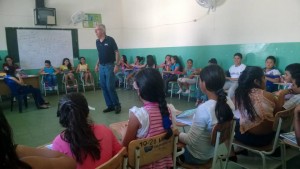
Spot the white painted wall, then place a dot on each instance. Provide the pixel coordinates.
(164, 23)
(19, 13)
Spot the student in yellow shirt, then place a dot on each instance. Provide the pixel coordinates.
(67, 69)
(84, 70)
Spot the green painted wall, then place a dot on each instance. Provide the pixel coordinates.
(254, 54)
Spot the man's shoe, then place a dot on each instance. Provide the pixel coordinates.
(109, 109)
(118, 109)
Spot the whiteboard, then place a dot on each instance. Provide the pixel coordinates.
(36, 46)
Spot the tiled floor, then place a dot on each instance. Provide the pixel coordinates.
(36, 127)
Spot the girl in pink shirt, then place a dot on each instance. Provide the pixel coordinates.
(89, 144)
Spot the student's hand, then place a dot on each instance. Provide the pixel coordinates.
(116, 69)
(176, 132)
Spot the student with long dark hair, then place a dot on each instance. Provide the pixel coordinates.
(89, 144)
(67, 69)
(255, 108)
(172, 75)
(154, 117)
(217, 109)
(15, 156)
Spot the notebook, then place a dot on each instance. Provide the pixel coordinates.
(289, 136)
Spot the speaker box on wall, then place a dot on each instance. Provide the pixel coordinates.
(40, 3)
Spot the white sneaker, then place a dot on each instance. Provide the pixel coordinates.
(187, 92)
(179, 91)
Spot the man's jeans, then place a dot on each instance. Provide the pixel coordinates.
(107, 82)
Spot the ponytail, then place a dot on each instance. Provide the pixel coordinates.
(222, 110)
(165, 117)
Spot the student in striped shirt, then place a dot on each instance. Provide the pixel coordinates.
(154, 117)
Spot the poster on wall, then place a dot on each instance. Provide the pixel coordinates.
(91, 20)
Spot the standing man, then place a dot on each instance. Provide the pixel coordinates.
(107, 65)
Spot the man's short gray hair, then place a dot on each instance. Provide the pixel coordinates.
(102, 27)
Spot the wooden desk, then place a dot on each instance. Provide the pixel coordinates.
(30, 80)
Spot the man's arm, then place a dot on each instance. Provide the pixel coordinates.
(97, 66)
(116, 69)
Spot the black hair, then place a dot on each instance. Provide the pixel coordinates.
(213, 61)
(250, 78)
(177, 61)
(8, 156)
(124, 58)
(151, 88)
(82, 57)
(10, 57)
(272, 58)
(166, 57)
(239, 55)
(69, 65)
(296, 77)
(293, 68)
(73, 115)
(210, 75)
(190, 60)
(48, 62)
(150, 61)
(140, 59)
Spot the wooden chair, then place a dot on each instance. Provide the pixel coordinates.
(148, 150)
(283, 122)
(221, 133)
(119, 161)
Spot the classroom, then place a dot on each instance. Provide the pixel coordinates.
(185, 28)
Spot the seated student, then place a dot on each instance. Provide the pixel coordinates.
(67, 69)
(136, 66)
(289, 70)
(9, 67)
(154, 117)
(14, 156)
(272, 74)
(297, 124)
(255, 108)
(217, 109)
(83, 68)
(19, 86)
(188, 79)
(166, 65)
(175, 69)
(235, 71)
(89, 144)
(295, 90)
(49, 73)
(150, 62)
(124, 69)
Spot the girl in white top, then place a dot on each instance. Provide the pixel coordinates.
(188, 78)
(217, 109)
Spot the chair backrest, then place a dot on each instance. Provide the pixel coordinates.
(119, 161)
(148, 150)
(287, 117)
(222, 133)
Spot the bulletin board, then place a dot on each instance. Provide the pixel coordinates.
(91, 20)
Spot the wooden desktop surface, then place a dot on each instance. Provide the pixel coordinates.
(30, 80)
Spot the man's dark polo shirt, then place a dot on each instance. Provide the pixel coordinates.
(106, 50)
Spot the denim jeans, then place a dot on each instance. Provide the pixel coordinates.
(190, 159)
(50, 80)
(107, 82)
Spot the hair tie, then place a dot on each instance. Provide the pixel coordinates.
(166, 122)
